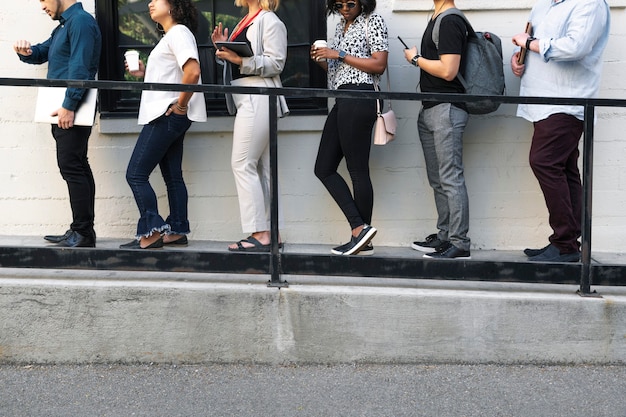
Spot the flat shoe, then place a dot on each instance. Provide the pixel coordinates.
(181, 241)
(136, 244)
(534, 252)
(553, 254)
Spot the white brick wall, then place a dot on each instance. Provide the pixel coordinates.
(507, 208)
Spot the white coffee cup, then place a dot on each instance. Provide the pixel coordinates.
(320, 43)
(132, 60)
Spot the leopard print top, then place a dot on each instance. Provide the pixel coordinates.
(356, 43)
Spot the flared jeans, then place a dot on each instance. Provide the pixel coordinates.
(160, 143)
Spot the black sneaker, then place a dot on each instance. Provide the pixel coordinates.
(443, 247)
(367, 250)
(356, 244)
(430, 245)
(339, 250)
(452, 252)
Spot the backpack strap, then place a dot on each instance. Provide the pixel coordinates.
(440, 16)
(470, 33)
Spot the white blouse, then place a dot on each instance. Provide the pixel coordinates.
(165, 65)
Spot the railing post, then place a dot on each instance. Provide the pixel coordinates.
(275, 267)
(585, 272)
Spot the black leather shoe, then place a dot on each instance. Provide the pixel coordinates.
(181, 241)
(553, 254)
(534, 252)
(76, 240)
(136, 244)
(58, 238)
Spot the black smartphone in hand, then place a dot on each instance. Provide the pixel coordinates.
(405, 45)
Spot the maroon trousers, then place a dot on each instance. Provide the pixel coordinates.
(554, 161)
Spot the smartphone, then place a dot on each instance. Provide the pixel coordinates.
(405, 45)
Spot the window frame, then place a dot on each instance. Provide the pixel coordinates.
(111, 66)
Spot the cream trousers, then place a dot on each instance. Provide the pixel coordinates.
(250, 160)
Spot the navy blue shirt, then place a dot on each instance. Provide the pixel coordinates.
(72, 51)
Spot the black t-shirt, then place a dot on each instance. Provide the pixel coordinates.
(452, 40)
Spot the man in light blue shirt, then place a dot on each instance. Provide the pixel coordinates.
(563, 59)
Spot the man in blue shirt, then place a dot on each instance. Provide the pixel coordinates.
(72, 53)
(563, 59)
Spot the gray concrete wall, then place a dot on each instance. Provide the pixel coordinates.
(127, 317)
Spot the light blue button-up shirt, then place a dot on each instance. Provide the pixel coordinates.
(572, 36)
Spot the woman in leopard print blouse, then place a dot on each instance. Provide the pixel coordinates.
(354, 60)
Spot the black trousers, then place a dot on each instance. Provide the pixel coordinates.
(348, 134)
(75, 170)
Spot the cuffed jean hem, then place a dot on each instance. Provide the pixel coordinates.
(149, 223)
(177, 227)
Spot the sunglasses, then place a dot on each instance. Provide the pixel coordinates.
(350, 4)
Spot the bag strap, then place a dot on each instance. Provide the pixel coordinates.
(470, 33)
(377, 88)
(377, 77)
(451, 11)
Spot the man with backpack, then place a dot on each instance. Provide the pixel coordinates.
(563, 59)
(440, 127)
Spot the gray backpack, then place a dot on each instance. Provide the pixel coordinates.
(482, 69)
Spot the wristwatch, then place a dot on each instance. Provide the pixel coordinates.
(342, 55)
(414, 59)
(528, 41)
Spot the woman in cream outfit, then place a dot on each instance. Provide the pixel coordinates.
(266, 35)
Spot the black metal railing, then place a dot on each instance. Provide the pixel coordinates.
(275, 267)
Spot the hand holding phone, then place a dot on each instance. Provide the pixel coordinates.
(405, 45)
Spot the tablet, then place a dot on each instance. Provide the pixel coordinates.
(50, 99)
(241, 48)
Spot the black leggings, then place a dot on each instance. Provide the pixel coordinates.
(347, 134)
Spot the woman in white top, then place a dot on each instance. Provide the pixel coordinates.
(266, 35)
(166, 116)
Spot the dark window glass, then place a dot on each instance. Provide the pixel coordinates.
(126, 24)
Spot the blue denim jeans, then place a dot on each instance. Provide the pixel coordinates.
(441, 133)
(160, 143)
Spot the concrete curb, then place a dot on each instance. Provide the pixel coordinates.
(55, 316)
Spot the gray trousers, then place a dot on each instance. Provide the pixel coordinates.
(441, 134)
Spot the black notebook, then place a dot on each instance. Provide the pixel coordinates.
(241, 48)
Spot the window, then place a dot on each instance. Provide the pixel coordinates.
(126, 24)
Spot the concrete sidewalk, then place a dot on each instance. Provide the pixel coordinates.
(61, 316)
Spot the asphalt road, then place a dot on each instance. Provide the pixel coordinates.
(360, 390)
